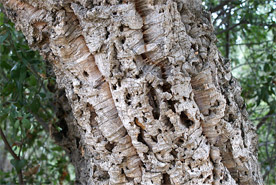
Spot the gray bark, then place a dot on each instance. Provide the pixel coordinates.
(151, 99)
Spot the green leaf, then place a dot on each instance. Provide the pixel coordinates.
(18, 164)
(3, 37)
(1, 19)
(26, 123)
(270, 57)
(13, 114)
(3, 117)
(8, 89)
(35, 105)
(32, 81)
(266, 67)
(42, 95)
(16, 124)
(57, 148)
(15, 71)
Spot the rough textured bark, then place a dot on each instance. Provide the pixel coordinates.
(151, 99)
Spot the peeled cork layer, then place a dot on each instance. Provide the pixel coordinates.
(152, 100)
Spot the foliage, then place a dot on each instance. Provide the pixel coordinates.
(246, 32)
(26, 110)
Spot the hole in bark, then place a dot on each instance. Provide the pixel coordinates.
(107, 33)
(161, 10)
(145, 119)
(169, 124)
(166, 87)
(147, 37)
(92, 115)
(94, 168)
(145, 158)
(231, 118)
(154, 138)
(121, 28)
(171, 105)
(114, 87)
(109, 146)
(144, 57)
(185, 120)
(92, 118)
(127, 100)
(216, 104)
(104, 176)
(35, 40)
(194, 47)
(129, 179)
(173, 163)
(123, 40)
(166, 179)
(85, 74)
(174, 153)
(45, 38)
(154, 103)
(160, 131)
(208, 178)
(141, 139)
(77, 142)
(179, 142)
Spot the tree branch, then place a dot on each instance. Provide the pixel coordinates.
(245, 22)
(8, 146)
(231, 27)
(263, 120)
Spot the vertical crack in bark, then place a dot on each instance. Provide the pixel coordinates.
(154, 103)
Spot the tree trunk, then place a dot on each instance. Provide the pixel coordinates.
(149, 99)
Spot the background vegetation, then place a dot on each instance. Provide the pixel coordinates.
(246, 32)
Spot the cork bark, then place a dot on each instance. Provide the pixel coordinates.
(149, 98)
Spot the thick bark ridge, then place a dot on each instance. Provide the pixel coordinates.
(152, 100)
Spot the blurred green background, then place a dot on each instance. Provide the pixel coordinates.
(246, 32)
